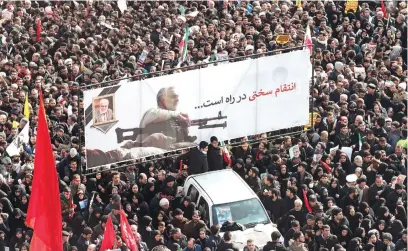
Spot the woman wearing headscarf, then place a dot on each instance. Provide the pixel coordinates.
(396, 230)
(131, 215)
(345, 236)
(365, 209)
(134, 189)
(360, 233)
(340, 174)
(352, 217)
(15, 194)
(401, 214)
(345, 163)
(81, 202)
(146, 230)
(16, 221)
(354, 244)
(380, 227)
(374, 240)
(23, 205)
(366, 224)
(384, 214)
(17, 239)
(148, 192)
(139, 206)
(95, 217)
(334, 190)
(369, 247)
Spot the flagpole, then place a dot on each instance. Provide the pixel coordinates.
(311, 88)
(79, 136)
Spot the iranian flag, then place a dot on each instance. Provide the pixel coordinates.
(308, 40)
(183, 45)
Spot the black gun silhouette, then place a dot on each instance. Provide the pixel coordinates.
(134, 132)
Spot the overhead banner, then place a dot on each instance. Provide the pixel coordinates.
(154, 116)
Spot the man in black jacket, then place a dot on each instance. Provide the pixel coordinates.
(326, 240)
(197, 159)
(227, 243)
(214, 155)
(275, 244)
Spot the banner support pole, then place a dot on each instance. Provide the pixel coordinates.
(312, 87)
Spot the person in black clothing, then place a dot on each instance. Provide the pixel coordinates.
(239, 168)
(370, 97)
(275, 205)
(197, 159)
(275, 244)
(226, 243)
(85, 240)
(253, 180)
(326, 240)
(214, 155)
(350, 199)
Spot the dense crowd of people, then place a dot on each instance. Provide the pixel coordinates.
(340, 185)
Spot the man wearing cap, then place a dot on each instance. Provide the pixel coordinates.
(370, 96)
(115, 200)
(66, 209)
(65, 241)
(350, 182)
(178, 221)
(60, 139)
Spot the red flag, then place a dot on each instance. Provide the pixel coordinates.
(127, 234)
(38, 30)
(306, 200)
(71, 206)
(383, 9)
(109, 236)
(44, 211)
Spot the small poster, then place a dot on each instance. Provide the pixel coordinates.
(224, 214)
(294, 151)
(334, 149)
(83, 203)
(348, 151)
(359, 71)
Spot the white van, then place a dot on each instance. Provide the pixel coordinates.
(223, 195)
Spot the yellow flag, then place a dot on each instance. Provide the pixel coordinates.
(26, 107)
(15, 124)
(299, 3)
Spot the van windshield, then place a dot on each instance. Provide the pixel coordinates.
(247, 212)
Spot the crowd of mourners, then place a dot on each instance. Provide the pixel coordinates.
(338, 186)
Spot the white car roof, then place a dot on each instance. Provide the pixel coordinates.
(224, 186)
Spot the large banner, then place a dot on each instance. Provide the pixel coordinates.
(158, 115)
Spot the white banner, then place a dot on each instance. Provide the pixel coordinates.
(157, 115)
(16, 146)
